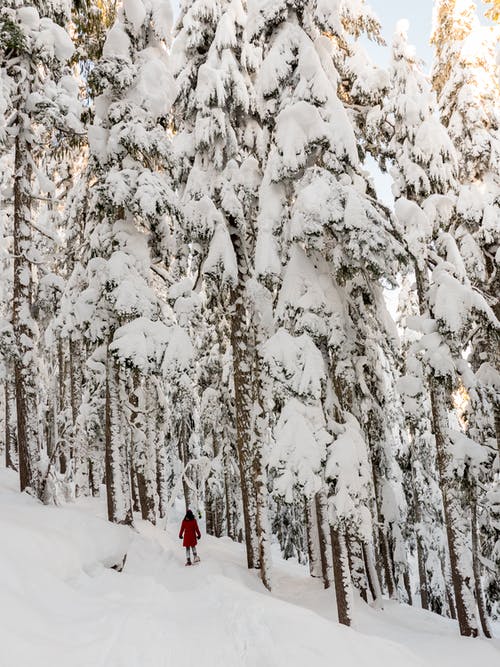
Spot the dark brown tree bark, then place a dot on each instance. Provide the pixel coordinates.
(383, 542)
(242, 365)
(342, 576)
(209, 510)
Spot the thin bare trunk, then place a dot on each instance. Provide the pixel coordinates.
(24, 363)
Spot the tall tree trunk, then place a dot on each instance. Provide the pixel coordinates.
(260, 434)
(325, 546)
(313, 550)
(242, 365)
(141, 451)
(383, 542)
(75, 396)
(94, 481)
(343, 590)
(422, 572)
(134, 488)
(119, 496)
(481, 606)
(184, 432)
(60, 441)
(24, 333)
(417, 513)
(262, 520)
(10, 438)
(357, 565)
(372, 574)
(161, 471)
(209, 510)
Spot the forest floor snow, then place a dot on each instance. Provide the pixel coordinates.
(61, 603)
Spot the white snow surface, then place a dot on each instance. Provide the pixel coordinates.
(61, 604)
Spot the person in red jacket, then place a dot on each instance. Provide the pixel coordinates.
(190, 532)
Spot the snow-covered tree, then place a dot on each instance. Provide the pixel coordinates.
(469, 93)
(466, 80)
(216, 143)
(424, 172)
(130, 201)
(44, 108)
(318, 219)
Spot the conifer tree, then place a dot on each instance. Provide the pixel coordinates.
(35, 51)
(465, 79)
(469, 102)
(219, 172)
(130, 203)
(314, 196)
(424, 172)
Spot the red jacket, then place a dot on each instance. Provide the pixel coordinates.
(190, 531)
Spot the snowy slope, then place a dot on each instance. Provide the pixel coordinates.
(61, 604)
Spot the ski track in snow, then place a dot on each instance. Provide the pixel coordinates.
(61, 604)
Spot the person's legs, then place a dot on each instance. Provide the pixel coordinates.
(188, 555)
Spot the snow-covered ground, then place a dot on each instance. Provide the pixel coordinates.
(61, 603)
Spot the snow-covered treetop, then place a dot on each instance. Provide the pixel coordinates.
(28, 28)
(216, 133)
(313, 144)
(133, 85)
(423, 155)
